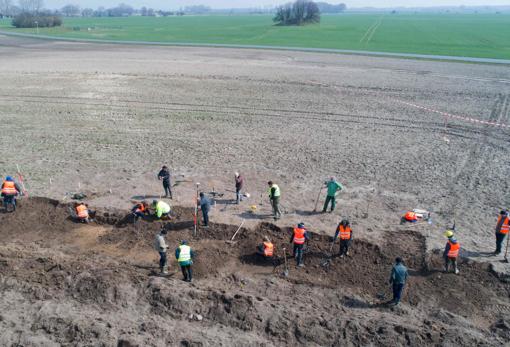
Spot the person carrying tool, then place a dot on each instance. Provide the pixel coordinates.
(139, 210)
(184, 255)
(161, 209)
(274, 198)
(164, 175)
(205, 206)
(298, 239)
(161, 247)
(333, 188)
(398, 279)
(10, 189)
(451, 252)
(502, 228)
(266, 248)
(239, 186)
(82, 212)
(344, 232)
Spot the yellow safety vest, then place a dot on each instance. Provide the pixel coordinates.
(185, 253)
(276, 190)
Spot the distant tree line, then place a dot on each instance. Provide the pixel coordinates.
(324, 7)
(299, 12)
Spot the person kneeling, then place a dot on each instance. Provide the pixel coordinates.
(266, 249)
(82, 212)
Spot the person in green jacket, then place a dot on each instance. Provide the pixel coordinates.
(333, 187)
(184, 256)
(162, 209)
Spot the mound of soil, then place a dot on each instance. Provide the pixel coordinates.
(66, 283)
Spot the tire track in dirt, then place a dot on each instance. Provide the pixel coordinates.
(232, 110)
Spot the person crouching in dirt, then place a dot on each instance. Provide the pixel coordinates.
(82, 212)
(398, 279)
(451, 252)
(10, 190)
(265, 250)
(161, 209)
(344, 232)
(161, 247)
(140, 210)
(415, 216)
(298, 238)
(184, 255)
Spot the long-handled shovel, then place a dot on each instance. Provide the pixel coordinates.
(327, 259)
(231, 241)
(286, 270)
(317, 201)
(506, 250)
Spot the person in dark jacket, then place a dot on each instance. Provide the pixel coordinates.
(398, 279)
(205, 206)
(184, 255)
(502, 228)
(164, 175)
(239, 186)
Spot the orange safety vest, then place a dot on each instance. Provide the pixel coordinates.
(82, 211)
(410, 216)
(9, 188)
(268, 249)
(345, 232)
(454, 250)
(299, 236)
(505, 227)
(140, 207)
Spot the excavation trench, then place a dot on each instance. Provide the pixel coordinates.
(52, 255)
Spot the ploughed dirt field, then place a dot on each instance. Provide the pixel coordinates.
(399, 134)
(65, 283)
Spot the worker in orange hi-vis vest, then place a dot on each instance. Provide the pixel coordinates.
(344, 233)
(451, 252)
(10, 189)
(298, 238)
(502, 228)
(266, 248)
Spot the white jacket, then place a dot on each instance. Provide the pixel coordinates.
(160, 244)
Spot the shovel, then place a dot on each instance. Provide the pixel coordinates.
(286, 271)
(231, 241)
(327, 260)
(317, 201)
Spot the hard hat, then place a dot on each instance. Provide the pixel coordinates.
(448, 233)
(301, 225)
(184, 242)
(9, 178)
(154, 202)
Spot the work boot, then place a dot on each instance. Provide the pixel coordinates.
(347, 253)
(457, 271)
(445, 269)
(164, 270)
(301, 265)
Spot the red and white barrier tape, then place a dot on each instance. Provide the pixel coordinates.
(464, 118)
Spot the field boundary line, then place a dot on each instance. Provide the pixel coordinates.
(459, 117)
(267, 47)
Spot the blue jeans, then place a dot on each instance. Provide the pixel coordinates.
(162, 259)
(239, 195)
(205, 215)
(298, 253)
(398, 288)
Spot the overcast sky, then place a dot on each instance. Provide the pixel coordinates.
(175, 4)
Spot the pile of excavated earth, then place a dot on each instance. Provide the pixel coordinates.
(98, 284)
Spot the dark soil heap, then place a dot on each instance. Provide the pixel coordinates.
(65, 283)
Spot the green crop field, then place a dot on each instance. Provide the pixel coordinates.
(468, 35)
